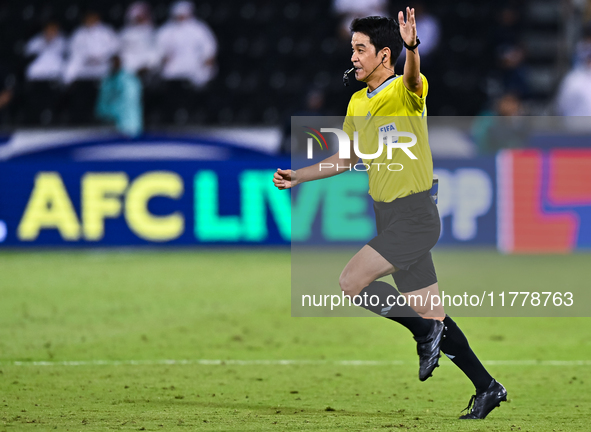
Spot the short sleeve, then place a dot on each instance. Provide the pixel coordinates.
(411, 100)
(349, 124)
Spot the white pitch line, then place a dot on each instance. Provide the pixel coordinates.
(208, 362)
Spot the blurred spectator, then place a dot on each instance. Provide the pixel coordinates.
(7, 81)
(428, 31)
(91, 47)
(138, 51)
(187, 47)
(509, 25)
(582, 47)
(187, 50)
(574, 94)
(502, 127)
(583, 7)
(42, 90)
(120, 100)
(5, 97)
(511, 75)
(348, 10)
(314, 103)
(47, 50)
(509, 105)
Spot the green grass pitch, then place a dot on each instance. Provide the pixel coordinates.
(85, 335)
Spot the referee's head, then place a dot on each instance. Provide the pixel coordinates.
(375, 41)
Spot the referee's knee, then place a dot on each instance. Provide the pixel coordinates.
(348, 285)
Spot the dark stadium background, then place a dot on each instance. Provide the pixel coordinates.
(271, 53)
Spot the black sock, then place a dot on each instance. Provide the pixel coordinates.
(456, 347)
(404, 315)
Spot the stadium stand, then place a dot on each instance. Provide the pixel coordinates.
(272, 53)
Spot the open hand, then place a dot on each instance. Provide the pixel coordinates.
(408, 29)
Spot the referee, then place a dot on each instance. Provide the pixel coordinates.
(407, 219)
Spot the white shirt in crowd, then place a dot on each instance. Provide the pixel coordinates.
(185, 47)
(49, 61)
(574, 96)
(351, 9)
(91, 49)
(138, 47)
(358, 8)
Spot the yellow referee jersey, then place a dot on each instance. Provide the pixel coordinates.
(392, 106)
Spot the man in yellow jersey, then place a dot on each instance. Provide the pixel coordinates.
(407, 219)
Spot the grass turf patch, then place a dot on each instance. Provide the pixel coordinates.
(88, 306)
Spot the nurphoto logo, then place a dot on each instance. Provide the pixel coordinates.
(388, 137)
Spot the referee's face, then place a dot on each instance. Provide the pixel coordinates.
(364, 56)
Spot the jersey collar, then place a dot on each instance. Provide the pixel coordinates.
(382, 86)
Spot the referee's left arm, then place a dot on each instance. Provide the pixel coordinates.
(331, 166)
(412, 66)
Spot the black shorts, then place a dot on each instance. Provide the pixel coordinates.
(408, 228)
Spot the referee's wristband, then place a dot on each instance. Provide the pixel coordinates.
(412, 48)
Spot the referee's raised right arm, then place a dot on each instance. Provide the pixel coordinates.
(331, 166)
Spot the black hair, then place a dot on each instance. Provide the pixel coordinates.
(383, 32)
